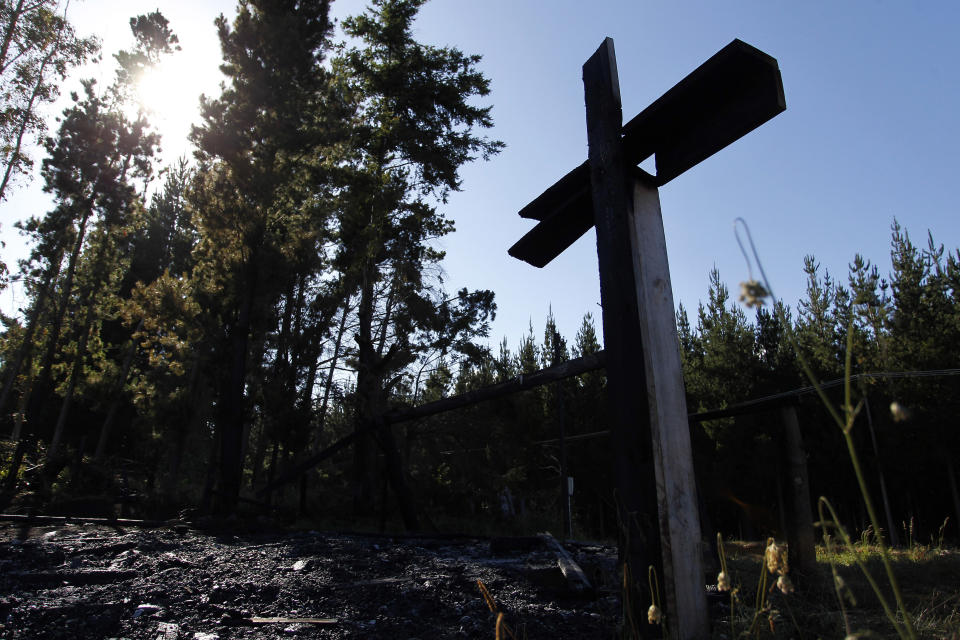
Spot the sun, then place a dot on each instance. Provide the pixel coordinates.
(168, 94)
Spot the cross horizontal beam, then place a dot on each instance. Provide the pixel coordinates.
(726, 97)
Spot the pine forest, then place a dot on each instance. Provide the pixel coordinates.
(196, 337)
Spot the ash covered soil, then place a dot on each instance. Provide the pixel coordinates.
(83, 581)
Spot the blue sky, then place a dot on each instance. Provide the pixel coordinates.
(869, 134)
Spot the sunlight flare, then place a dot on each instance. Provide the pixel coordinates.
(168, 94)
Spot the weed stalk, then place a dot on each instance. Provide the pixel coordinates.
(845, 422)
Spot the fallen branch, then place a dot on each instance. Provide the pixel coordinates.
(576, 578)
(257, 620)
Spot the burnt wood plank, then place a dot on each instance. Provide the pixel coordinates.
(738, 89)
(255, 620)
(552, 236)
(734, 92)
(113, 522)
(576, 578)
(79, 577)
(626, 382)
(639, 327)
(567, 189)
(672, 454)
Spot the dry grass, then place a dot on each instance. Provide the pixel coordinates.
(929, 577)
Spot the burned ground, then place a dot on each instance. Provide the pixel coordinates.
(81, 581)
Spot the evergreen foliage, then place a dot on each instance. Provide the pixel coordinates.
(38, 48)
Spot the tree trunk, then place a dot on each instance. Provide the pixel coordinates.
(255, 355)
(20, 414)
(259, 453)
(44, 379)
(397, 479)
(232, 397)
(891, 529)
(206, 497)
(272, 471)
(75, 373)
(384, 326)
(9, 489)
(366, 398)
(283, 340)
(321, 418)
(117, 396)
(954, 493)
(371, 407)
(26, 347)
(15, 16)
(232, 411)
(197, 399)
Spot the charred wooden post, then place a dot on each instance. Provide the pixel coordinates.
(635, 294)
(732, 93)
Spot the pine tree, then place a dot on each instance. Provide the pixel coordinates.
(818, 336)
(115, 153)
(871, 320)
(728, 348)
(413, 130)
(923, 336)
(261, 147)
(38, 48)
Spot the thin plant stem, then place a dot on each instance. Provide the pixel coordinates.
(845, 423)
(793, 618)
(858, 558)
(723, 569)
(828, 544)
(761, 598)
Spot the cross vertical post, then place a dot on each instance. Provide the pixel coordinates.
(645, 382)
(735, 91)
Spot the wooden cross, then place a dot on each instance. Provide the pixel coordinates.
(735, 91)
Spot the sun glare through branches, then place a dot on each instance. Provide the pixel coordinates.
(168, 94)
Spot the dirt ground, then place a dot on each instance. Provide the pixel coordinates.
(76, 580)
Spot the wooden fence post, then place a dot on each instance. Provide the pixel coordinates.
(800, 534)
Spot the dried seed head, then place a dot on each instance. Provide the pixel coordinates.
(723, 582)
(775, 558)
(752, 293)
(654, 615)
(898, 412)
(785, 585)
